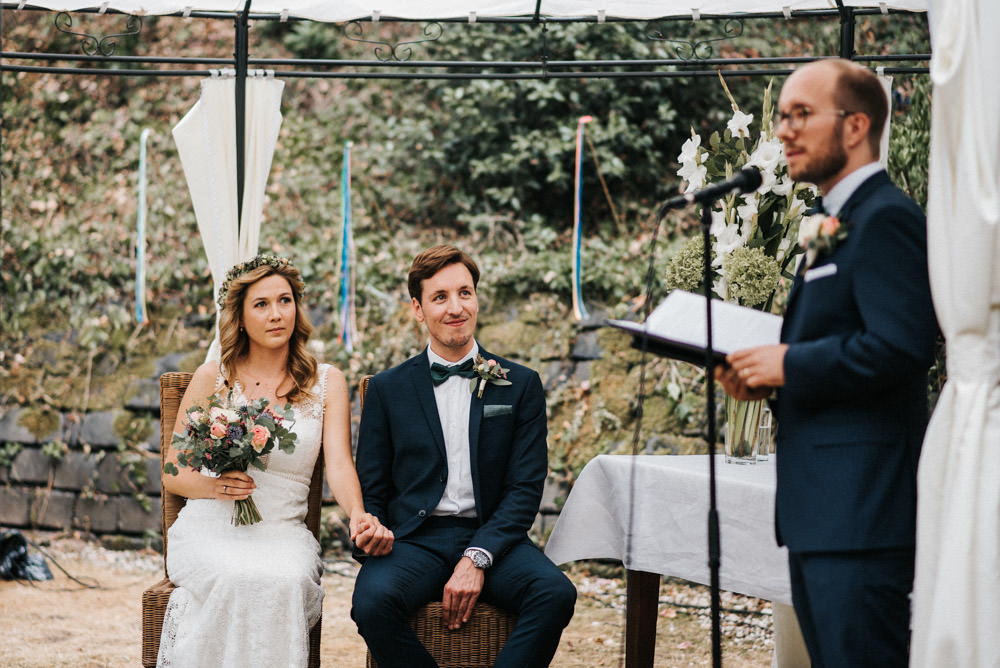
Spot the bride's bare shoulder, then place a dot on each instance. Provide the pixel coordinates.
(205, 380)
(336, 384)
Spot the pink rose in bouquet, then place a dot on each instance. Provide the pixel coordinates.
(260, 436)
(220, 436)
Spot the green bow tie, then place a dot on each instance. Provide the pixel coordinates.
(441, 373)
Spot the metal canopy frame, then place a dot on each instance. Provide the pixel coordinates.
(393, 67)
(402, 68)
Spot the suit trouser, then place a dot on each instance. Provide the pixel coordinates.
(854, 607)
(524, 581)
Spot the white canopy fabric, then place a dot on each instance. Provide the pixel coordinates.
(956, 601)
(349, 10)
(206, 141)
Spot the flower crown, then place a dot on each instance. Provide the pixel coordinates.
(244, 267)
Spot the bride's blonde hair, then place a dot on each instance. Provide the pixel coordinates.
(233, 339)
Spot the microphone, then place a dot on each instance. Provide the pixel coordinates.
(746, 180)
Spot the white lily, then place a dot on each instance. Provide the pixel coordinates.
(783, 186)
(689, 150)
(767, 156)
(747, 211)
(739, 124)
(696, 179)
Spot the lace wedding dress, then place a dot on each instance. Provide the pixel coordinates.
(248, 595)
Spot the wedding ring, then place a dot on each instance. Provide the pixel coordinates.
(225, 489)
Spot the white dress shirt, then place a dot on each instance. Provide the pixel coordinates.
(835, 200)
(453, 399)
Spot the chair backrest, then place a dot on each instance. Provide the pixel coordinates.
(172, 387)
(363, 389)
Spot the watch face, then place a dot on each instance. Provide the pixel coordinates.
(479, 559)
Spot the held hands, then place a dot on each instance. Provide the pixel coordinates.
(232, 486)
(370, 535)
(461, 593)
(753, 373)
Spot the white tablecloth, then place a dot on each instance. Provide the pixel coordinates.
(666, 514)
(667, 510)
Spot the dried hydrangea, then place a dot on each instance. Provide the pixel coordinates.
(752, 275)
(686, 268)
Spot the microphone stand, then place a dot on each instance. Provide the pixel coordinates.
(714, 541)
(750, 180)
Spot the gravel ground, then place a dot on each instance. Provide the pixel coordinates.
(94, 620)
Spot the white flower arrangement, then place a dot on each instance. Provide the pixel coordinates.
(766, 219)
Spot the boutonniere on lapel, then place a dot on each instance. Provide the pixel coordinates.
(489, 371)
(819, 235)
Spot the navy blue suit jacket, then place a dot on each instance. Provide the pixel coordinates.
(851, 416)
(401, 457)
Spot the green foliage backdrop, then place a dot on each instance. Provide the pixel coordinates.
(487, 164)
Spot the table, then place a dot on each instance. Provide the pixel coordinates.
(651, 513)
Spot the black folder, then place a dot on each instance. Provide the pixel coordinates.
(677, 328)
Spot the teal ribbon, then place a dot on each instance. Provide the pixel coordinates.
(579, 309)
(347, 330)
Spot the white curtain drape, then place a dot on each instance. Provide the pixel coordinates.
(886, 81)
(957, 589)
(206, 141)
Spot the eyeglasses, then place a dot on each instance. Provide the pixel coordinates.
(798, 116)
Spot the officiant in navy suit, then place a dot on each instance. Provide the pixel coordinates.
(456, 472)
(850, 374)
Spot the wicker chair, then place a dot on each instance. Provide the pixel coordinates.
(476, 644)
(154, 599)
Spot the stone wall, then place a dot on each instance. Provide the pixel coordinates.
(87, 487)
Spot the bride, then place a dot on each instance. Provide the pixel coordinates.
(248, 595)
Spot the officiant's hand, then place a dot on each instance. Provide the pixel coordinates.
(753, 373)
(370, 535)
(461, 593)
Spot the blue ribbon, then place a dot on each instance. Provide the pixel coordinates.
(579, 309)
(347, 328)
(140, 236)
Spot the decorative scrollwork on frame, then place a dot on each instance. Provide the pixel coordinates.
(91, 45)
(386, 51)
(694, 49)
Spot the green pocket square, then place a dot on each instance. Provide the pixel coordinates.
(492, 410)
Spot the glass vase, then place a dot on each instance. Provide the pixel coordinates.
(743, 430)
(765, 439)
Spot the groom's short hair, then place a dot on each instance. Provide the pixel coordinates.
(432, 260)
(858, 90)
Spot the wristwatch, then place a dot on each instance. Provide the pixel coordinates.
(479, 558)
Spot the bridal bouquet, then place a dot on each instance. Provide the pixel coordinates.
(221, 436)
(753, 234)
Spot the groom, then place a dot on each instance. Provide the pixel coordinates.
(457, 476)
(851, 377)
